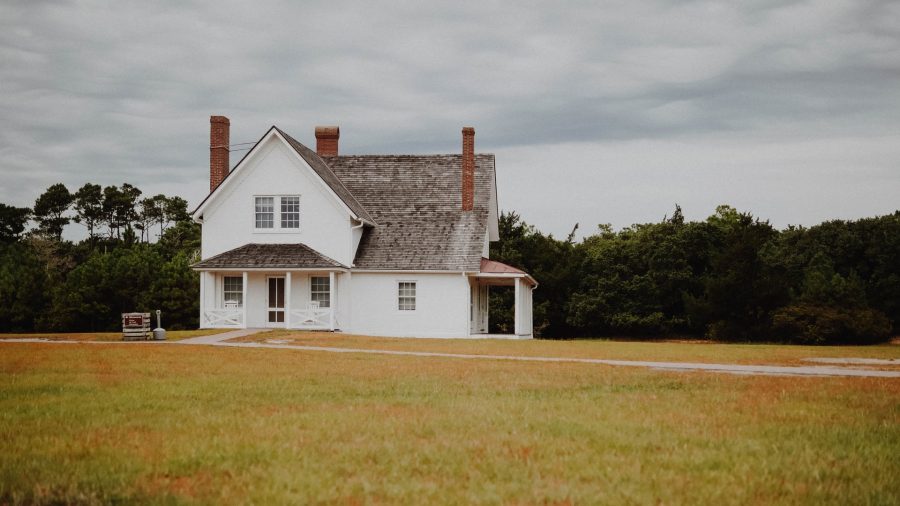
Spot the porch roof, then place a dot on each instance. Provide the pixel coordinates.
(270, 256)
(495, 269)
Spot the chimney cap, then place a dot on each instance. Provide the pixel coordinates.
(468, 130)
(219, 119)
(328, 132)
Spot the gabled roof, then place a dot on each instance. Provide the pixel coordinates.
(327, 175)
(417, 202)
(275, 256)
(318, 166)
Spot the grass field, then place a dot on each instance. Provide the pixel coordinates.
(171, 335)
(170, 424)
(771, 354)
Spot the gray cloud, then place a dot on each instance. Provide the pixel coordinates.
(600, 112)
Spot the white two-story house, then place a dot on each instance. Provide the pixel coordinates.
(393, 245)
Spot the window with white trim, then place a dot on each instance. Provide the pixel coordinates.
(274, 213)
(320, 290)
(406, 295)
(290, 212)
(265, 212)
(233, 290)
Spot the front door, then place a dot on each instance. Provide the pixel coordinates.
(275, 301)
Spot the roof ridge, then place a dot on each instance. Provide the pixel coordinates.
(407, 155)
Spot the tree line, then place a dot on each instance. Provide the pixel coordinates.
(136, 257)
(731, 277)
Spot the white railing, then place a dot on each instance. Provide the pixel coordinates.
(313, 317)
(223, 317)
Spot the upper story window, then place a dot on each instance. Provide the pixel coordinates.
(277, 212)
(265, 212)
(290, 212)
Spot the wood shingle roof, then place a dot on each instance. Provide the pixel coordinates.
(276, 256)
(417, 202)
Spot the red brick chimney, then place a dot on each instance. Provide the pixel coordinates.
(327, 140)
(219, 135)
(468, 168)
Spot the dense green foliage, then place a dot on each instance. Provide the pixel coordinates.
(47, 283)
(730, 277)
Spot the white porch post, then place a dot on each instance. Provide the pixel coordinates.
(244, 301)
(517, 319)
(332, 291)
(202, 299)
(287, 300)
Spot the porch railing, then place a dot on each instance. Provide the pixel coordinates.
(311, 317)
(223, 317)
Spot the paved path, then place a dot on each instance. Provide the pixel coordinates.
(218, 338)
(770, 370)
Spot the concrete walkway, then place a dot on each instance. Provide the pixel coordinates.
(218, 338)
(766, 370)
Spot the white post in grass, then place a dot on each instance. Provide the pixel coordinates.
(331, 299)
(287, 300)
(244, 301)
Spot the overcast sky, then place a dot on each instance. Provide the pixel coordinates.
(598, 112)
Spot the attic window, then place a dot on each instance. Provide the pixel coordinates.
(290, 212)
(277, 213)
(265, 212)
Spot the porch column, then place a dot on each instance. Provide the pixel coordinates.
(287, 300)
(244, 301)
(332, 291)
(517, 318)
(202, 319)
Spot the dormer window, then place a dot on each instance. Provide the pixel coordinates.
(276, 213)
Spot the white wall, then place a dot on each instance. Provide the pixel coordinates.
(275, 169)
(442, 305)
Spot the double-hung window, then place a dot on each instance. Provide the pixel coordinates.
(265, 212)
(406, 296)
(233, 290)
(290, 212)
(320, 290)
(274, 213)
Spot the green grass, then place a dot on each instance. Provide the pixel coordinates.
(171, 424)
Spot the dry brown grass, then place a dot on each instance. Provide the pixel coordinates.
(87, 423)
(171, 335)
(676, 351)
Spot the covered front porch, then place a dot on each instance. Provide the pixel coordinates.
(302, 300)
(287, 286)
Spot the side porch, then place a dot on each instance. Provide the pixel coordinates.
(497, 274)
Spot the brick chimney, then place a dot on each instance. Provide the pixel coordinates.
(468, 168)
(219, 135)
(327, 140)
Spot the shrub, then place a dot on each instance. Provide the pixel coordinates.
(820, 324)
